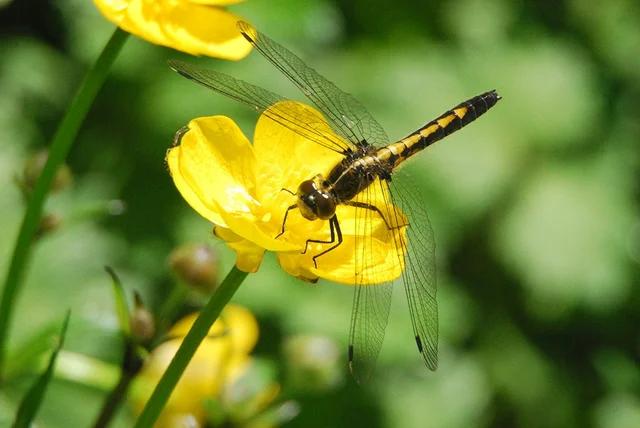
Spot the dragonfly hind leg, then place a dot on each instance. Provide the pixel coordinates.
(374, 209)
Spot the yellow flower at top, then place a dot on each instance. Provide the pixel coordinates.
(238, 187)
(197, 27)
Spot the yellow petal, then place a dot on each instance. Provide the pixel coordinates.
(250, 227)
(195, 27)
(291, 264)
(139, 17)
(215, 2)
(339, 265)
(205, 30)
(214, 168)
(113, 10)
(236, 326)
(210, 368)
(249, 255)
(286, 157)
(379, 249)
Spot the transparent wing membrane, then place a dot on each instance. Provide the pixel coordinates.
(419, 276)
(371, 303)
(347, 116)
(411, 231)
(262, 101)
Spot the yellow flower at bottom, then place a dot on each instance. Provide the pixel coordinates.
(238, 187)
(198, 27)
(220, 360)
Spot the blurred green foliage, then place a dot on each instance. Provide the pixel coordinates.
(534, 207)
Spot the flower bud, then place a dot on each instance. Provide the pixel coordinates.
(33, 169)
(143, 324)
(313, 363)
(196, 265)
(48, 223)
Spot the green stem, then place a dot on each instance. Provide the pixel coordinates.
(60, 146)
(131, 365)
(192, 340)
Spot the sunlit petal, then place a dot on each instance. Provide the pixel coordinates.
(214, 168)
(197, 27)
(216, 2)
(204, 30)
(285, 155)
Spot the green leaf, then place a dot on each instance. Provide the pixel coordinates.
(58, 150)
(32, 352)
(33, 398)
(122, 309)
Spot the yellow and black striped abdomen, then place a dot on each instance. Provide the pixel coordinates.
(448, 123)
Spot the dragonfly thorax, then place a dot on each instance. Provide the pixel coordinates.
(315, 200)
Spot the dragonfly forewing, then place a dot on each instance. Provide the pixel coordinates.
(274, 106)
(419, 276)
(346, 114)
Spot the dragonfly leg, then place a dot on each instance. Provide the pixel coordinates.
(284, 221)
(334, 226)
(374, 209)
(179, 134)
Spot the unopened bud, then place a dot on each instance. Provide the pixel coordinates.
(48, 223)
(33, 169)
(196, 265)
(313, 363)
(142, 322)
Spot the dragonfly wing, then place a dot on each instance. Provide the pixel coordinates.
(419, 275)
(372, 298)
(401, 207)
(371, 305)
(347, 116)
(379, 231)
(290, 115)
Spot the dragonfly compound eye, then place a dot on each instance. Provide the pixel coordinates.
(315, 202)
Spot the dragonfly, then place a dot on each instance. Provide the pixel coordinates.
(368, 179)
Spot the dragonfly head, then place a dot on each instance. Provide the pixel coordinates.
(315, 200)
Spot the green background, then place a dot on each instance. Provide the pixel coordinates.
(534, 207)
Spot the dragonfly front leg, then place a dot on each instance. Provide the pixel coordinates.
(334, 227)
(284, 220)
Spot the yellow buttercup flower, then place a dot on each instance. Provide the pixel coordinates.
(198, 27)
(238, 187)
(220, 360)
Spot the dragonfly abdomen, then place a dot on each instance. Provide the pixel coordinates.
(449, 122)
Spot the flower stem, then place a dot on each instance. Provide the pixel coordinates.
(131, 365)
(192, 340)
(60, 146)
